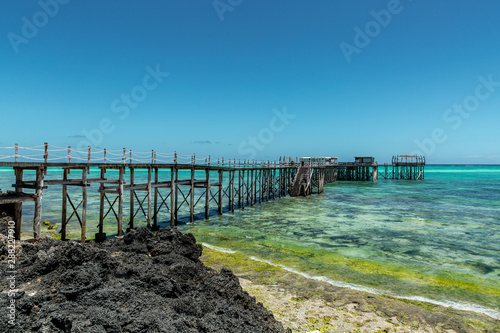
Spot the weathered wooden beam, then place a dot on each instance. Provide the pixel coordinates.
(37, 223)
(15, 200)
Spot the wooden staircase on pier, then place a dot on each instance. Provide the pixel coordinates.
(302, 181)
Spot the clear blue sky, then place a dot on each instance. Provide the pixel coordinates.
(255, 78)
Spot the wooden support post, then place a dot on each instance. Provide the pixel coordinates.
(232, 189)
(120, 201)
(173, 201)
(149, 198)
(268, 187)
(261, 184)
(84, 205)
(264, 184)
(290, 177)
(46, 155)
(64, 205)
(243, 189)
(155, 207)
(207, 194)
(191, 197)
(280, 186)
(132, 200)
(239, 187)
(245, 185)
(256, 185)
(101, 236)
(283, 183)
(229, 193)
(258, 180)
(252, 184)
(176, 196)
(18, 207)
(37, 223)
(273, 181)
(220, 191)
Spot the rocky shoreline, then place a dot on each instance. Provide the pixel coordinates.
(142, 282)
(307, 305)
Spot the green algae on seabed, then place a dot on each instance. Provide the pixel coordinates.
(440, 285)
(417, 312)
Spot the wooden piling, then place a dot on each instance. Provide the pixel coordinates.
(148, 219)
(120, 200)
(173, 199)
(176, 195)
(84, 205)
(207, 193)
(220, 191)
(155, 205)
(64, 221)
(18, 207)
(191, 195)
(252, 183)
(132, 200)
(37, 224)
(101, 234)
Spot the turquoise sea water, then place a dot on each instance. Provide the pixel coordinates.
(436, 239)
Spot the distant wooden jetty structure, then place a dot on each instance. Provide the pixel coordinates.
(239, 183)
(407, 167)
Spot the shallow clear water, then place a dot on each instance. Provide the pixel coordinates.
(438, 238)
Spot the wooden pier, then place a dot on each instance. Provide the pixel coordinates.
(406, 167)
(362, 169)
(171, 184)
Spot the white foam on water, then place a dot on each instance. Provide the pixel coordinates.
(218, 248)
(464, 306)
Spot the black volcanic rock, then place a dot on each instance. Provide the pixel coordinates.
(139, 283)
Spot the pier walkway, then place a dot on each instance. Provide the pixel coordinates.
(172, 180)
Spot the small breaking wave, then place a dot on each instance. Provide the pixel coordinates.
(218, 248)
